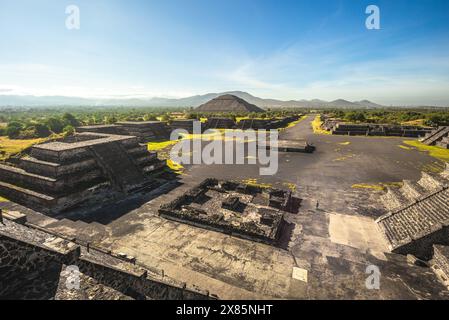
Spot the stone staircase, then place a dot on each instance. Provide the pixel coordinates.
(427, 219)
(412, 190)
(444, 142)
(438, 137)
(418, 214)
(118, 166)
(395, 198)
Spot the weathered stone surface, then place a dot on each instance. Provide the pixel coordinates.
(420, 217)
(440, 263)
(34, 265)
(437, 136)
(228, 207)
(87, 167)
(338, 127)
(228, 103)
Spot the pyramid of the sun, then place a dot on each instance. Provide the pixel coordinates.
(228, 103)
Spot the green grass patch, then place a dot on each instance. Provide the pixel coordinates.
(433, 151)
(376, 186)
(9, 147)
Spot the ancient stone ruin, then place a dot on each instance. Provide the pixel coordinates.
(265, 124)
(339, 127)
(220, 123)
(228, 103)
(438, 137)
(185, 124)
(82, 170)
(37, 264)
(246, 124)
(145, 131)
(440, 263)
(238, 209)
(418, 215)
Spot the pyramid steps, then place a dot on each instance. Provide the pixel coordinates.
(422, 219)
(444, 143)
(114, 160)
(435, 136)
(432, 182)
(412, 190)
(393, 199)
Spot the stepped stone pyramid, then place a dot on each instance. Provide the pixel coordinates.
(228, 103)
(419, 215)
(438, 137)
(82, 170)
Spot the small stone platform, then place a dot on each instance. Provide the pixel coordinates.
(246, 211)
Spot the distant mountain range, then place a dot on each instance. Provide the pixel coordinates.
(194, 101)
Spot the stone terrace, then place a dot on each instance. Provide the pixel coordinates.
(419, 215)
(88, 167)
(145, 131)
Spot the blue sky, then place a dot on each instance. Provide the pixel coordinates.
(273, 49)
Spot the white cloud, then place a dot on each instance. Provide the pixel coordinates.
(324, 71)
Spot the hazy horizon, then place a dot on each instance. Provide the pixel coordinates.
(177, 49)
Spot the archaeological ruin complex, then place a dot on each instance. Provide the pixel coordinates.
(339, 127)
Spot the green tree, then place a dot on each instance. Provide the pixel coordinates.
(69, 130)
(69, 119)
(13, 129)
(41, 130)
(356, 116)
(164, 117)
(149, 117)
(56, 125)
(110, 120)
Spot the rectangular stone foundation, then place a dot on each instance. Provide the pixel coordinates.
(258, 215)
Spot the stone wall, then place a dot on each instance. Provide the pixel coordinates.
(423, 247)
(31, 262)
(28, 265)
(440, 263)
